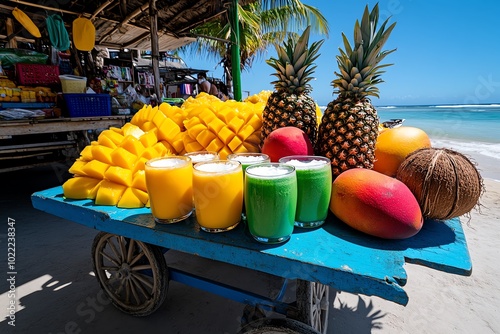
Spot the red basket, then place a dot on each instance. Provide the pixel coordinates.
(88, 105)
(37, 74)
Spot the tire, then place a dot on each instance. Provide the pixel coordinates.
(133, 274)
(276, 326)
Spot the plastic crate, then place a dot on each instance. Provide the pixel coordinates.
(37, 74)
(73, 83)
(88, 105)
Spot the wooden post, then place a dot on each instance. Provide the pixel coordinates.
(11, 42)
(155, 54)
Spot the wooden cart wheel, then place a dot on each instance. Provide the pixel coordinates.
(313, 304)
(133, 274)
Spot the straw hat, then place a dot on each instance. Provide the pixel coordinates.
(26, 22)
(83, 34)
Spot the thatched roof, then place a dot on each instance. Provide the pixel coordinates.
(124, 23)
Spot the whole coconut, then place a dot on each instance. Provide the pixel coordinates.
(445, 183)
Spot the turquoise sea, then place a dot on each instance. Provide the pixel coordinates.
(473, 130)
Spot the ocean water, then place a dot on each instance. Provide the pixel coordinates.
(473, 130)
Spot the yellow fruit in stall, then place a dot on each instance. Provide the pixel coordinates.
(95, 169)
(149, 138)
(109, 193)
(141, 195)
(129, 200)
(139, 180)
(77, 167)
(101, 153)
(123, 158)
(132, 144)
(80, 187)
(86, 153)
(119, 175)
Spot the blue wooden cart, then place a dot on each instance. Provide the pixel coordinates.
(129, 264)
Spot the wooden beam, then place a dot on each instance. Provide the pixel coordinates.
(11, 42)
(155, 53)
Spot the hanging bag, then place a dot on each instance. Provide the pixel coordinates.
(26, 22)
(58, 35)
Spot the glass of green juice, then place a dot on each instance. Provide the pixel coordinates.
(314, 188)
(270, 201)
(248, 158)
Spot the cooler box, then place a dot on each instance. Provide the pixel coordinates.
(73, 83)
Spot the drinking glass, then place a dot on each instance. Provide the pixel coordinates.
(200, 156)
(169, 181)
(270, 201)
(218, 194)
(314, 188)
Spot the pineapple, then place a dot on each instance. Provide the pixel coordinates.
(349, 127)
(290, 103)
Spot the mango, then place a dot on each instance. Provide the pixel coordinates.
(286, 141)
(129, 200)
(376, 204)
(109, 193)
(80, 187)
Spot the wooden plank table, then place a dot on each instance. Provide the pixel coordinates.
(333, 254)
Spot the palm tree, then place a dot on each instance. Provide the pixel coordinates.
(261, 24)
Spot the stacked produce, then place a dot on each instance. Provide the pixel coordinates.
(111, 170)
(387, 178)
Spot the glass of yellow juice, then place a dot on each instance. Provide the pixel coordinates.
(200, 156)
(169, 181)
(218, 194)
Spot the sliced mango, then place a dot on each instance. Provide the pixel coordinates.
(139, 165)
(205, 137)
(132, 144)
(77, 168)
(129, 200)
(86, 153)
(115, 136)
(149, 138)
(95, 169)
(102, 153)
(226, 135)
(132, 130)
(168, 130)
(139, 180)
(140, 194)
(119, 175)
(109, 193)
(79, 187)
(123, 158)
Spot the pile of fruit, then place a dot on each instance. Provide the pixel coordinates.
(9, 92)
(366, 157)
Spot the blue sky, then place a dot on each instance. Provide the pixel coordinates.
(447, 52)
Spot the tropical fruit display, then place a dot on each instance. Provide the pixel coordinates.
(348, 130)
(445, 183)
(393, 145)
(111, 169)
(375, 204)
(290, 104)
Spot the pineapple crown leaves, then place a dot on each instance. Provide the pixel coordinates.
(359, 67)
(294, 65)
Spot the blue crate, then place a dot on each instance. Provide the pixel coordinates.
(88, 105)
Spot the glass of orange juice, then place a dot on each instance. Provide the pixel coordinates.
(218, 194)
(169, 181)
(200, 156)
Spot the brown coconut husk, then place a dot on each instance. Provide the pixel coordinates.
(445, 183)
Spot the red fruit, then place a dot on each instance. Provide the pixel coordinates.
(376, 204)
(286, 141)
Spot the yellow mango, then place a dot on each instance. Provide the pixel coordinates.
(161, 149)
(95, 169)
(79, 187)
(150, 153)
(86, 153)
(195, 130)
(102, 153)
(131, 130)
(139, 180)
(225, 135)
(233, 144)
(178, 143)
(235, 124)
(115, 136)
(129, 200)
(123, 158)
(115, 129)
(254, 138)
(158, 119)
(205, 137)
(168, 148)
(109, 193)
(148, 126)
(132, 144)
(193, 147)
(224, 152)
(149, 138)
(119, 175)
(215, 145)
(139, 164)
(77, 167)
(141, 195)
(245, 132)
(251, 147)
(93, 191)
(168, 130)
(216, 125)
(106, 141)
